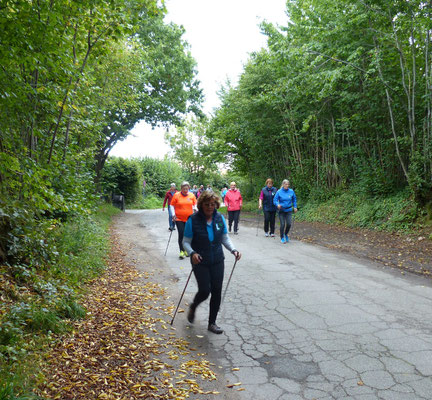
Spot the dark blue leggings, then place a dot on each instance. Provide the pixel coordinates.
(209, 279)
(285, 219)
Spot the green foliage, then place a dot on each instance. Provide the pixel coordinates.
(159, 174)
(51, 294)
(68, 308)
(121, 176)
(332, 104)
(250, 206)
(194, 151)
(75, 79)
(149, 202)
(394, 213)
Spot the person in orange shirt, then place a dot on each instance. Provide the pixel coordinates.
(183, 205)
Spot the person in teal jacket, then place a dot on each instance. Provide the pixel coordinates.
(286, 202)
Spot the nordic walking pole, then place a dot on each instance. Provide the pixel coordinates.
(168, 242)
(181, 297)
(223, 297)
(258, 218)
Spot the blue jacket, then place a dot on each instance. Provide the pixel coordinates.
(268, 197)
(286, 198)
(211, 252)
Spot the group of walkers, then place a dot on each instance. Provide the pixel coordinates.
(231, 198)
(202, 231)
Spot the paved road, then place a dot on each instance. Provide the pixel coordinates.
(304, 322)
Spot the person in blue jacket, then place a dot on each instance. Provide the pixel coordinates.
(265, 201)
(205, 233)
(286, 202)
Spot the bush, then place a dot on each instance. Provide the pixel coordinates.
(159, 174)
(121, 176)
(393, 213)
(149, 202)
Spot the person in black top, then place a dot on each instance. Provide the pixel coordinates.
(266, 202)
(205, 233)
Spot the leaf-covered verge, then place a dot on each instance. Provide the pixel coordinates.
(39, 302)
(124, 349)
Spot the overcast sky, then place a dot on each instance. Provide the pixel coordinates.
(221, 34)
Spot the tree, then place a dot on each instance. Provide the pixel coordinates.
(160, 82)
(339, 99)
(193, 150)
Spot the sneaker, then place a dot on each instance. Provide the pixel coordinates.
(287, 238)
(186, 253)
(272, 235)
(229, 229)
(266, 234)
(191, 315)
(235, 233)
(181, 256)
(215, 329)
(283, 241)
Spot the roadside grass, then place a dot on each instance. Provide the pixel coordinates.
(396, 213)
(148, 202)
(38, 303)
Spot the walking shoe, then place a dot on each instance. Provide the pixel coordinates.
(181, 256)
(266, 234)
(272, 235)
(235, 233)
(283, 241)
(229, 229)
(191, 315)
(186, 253)
(287, 238)
(171, 229)
(215, 329)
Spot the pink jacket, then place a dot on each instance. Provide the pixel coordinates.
(233, 200)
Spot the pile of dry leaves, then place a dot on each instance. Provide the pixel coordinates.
(117, 351)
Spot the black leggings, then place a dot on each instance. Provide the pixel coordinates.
(269, 219)
(180, 229)
(285, 219)
(233, 216)
(209, 279)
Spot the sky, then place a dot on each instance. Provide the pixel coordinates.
(221, 35)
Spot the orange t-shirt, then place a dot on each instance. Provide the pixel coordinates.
(183, 205)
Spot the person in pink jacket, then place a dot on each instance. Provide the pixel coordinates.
(233, 200)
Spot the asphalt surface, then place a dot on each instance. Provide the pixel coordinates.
(305, 322)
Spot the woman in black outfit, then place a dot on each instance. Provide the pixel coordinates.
(205, 233)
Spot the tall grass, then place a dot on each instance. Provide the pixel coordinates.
(149, 202)
(398, 212)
